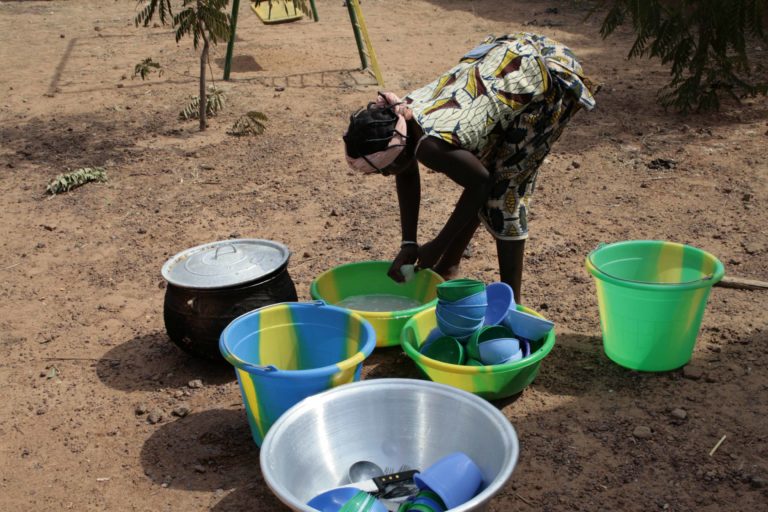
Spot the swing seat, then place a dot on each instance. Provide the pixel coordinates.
(276, 11)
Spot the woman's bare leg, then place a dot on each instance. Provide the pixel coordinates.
(448, 267)
(510, 254)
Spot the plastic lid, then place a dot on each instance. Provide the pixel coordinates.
(225, 263)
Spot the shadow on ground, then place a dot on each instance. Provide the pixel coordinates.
(241, 64)
(90, 139)
(204, 451)
(578, 366)
(245, 498)
(152, 361)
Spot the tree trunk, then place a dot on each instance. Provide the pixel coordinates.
(203, 98)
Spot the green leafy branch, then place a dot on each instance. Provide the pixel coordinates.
(704, 42)
(215, 100)
(251, 123)
(74, 179)
(145, 67)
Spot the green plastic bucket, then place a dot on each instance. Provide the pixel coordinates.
(652, 295)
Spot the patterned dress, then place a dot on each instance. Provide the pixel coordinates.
(507, 102)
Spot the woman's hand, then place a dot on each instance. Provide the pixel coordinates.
(407, 256)
(429, 254)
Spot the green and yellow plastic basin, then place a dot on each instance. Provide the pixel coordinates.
(370, 278)
(489, 382)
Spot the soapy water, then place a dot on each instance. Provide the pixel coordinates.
(378, 302)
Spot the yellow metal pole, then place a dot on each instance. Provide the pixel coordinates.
(368, 44)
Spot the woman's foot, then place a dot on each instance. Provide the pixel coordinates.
(447, 272)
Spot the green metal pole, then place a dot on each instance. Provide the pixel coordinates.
(314, 10)
(358, 37)
(231, 43)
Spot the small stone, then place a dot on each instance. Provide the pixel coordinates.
(334, 214)
(40, 245)
(757, 483)
(678, 413)
(693, 372)
(156, 416)
(141, 409)
(180, 411)
(279, 89)
(306, 255)
(199, 468)
(195, 384)
(642, 432)
(41, 410)
(62, 36)
(162, 285)
(120, 86)
(141, 231)
(751, 248)
(575, 164)
(178, 393)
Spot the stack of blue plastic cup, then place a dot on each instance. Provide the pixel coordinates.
(460, 315)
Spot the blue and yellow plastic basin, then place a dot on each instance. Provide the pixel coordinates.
(370, 278)
(286, 352)
(490, 382)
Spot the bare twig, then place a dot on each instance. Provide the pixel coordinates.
(94, 359)
(712, 452)
(11, 266)
(742, 284)
(524, 500)
(305, 260)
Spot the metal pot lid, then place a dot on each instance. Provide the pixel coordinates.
(225, 263)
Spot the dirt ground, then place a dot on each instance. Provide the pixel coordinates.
(82, 340)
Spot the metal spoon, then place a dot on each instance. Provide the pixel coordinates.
(364, 470)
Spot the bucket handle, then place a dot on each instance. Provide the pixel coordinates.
(216, 252)
(269, 368)
(236, 361)
(603, 244)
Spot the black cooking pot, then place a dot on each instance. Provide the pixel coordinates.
(211, 285)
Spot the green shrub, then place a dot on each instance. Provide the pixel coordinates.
(704, 41)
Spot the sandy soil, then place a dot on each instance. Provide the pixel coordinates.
(82, 338)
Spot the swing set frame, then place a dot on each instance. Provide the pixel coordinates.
(368, 59)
